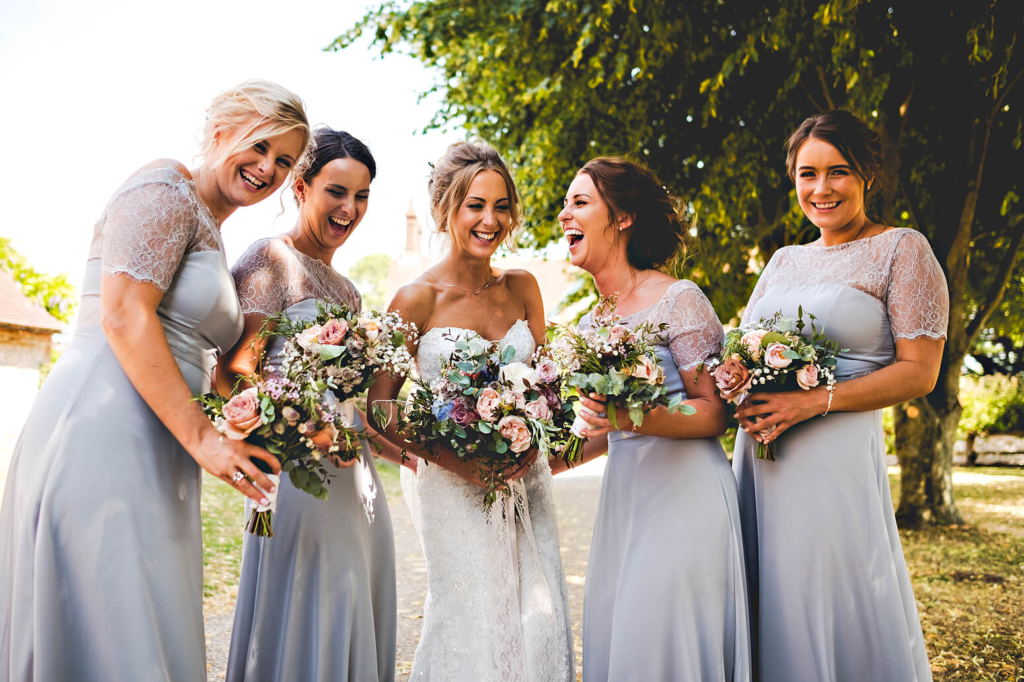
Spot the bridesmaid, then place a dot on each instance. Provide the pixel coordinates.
(316, 601)
(665, 596)
(100, 531)
(831, 596)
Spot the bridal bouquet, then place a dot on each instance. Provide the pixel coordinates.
(774, 355)
(613, 360)
(292, 423)
(488, 408)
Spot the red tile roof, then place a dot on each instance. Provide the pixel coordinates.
(18, 311)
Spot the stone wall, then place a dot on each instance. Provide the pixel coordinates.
(21, 355)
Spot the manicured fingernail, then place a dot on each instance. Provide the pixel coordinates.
(273, 488)
(264, 501)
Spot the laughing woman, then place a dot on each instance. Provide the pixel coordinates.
(831, 594)
(665, 596)
(102, 574)
(316, 601)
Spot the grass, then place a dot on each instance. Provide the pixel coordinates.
(968, 580)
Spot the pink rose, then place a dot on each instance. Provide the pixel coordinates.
(514, 428)
(332, 333)
(513, 399)
(486, 403)
(538, 409)
(371, 327)
(547, 371)
(773, 356)
(645, 369)
(242, 414)
(752, 340)
(732, 378)
(807, 377)
(617, 333)
(309, 337)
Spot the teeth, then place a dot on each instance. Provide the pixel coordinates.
(338, 221)
(573, 232)
(252, 180)
(486, 236)
(831, 204)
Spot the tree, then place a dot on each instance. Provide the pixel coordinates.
(705, 93)
(370, 275)
(54, 293)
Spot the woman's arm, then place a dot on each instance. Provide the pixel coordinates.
(524, 285)
(592, 449)
(242, 361)
(912, 375)
(137, 338)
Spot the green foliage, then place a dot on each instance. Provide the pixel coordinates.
(370, 275)
(991, 404)
(706, 92)
(53, 292)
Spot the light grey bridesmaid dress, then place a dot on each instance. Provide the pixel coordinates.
(832, 599)
(102, 573)
(317, 601)
(666, 597)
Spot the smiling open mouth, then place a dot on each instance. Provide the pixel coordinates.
(574, 236)
(252, 181)
(826, 205)
(486, 237)
(340, 226)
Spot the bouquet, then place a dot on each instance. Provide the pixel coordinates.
(489, 409)
(291, 423)
(616, 361)
(774, 355)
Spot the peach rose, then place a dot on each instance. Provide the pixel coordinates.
(732, 378)
(309, 337)
(513, 399)
(774, 358)
(323, 439)
(752, 341)
(371, 327)
(807, 377)
(486, 403)
(514, 428)
(646, 369)
(538, 409)
(242, 414)
(332, 333)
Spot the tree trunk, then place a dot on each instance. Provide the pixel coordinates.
(972, 456)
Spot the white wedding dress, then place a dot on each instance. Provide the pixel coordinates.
(497, 607)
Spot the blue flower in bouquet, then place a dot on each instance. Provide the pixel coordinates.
(441, 410)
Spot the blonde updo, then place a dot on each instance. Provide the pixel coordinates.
(453, 174)
(261, 109)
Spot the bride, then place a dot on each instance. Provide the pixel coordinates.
(497, 605)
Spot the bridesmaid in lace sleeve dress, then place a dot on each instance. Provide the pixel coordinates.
(665, 596)
(102, 574)
(316, 602)
(832, 599)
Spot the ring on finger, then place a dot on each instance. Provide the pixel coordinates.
(237, 476)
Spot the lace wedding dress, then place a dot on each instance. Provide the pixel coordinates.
(497, 607)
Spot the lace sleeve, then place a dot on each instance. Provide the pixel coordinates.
(146, 231)
(917, 299)
(694, 331)
(760, 288)
(262, 276)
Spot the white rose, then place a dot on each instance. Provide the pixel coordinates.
(516, 372)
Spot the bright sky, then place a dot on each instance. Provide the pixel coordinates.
(93, 90)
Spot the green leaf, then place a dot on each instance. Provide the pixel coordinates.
(328, 353)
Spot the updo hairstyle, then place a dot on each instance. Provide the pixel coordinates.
(453, 174)
(327, 145)
(260, 108)
(855, 141)
(657, 234)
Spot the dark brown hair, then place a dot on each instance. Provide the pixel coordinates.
(628, 187)
(858, 144)
(326, 146)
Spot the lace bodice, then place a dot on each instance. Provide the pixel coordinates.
(153, 221)
(693, 333)
(896, 267)
(437, 344)
(272, 276)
